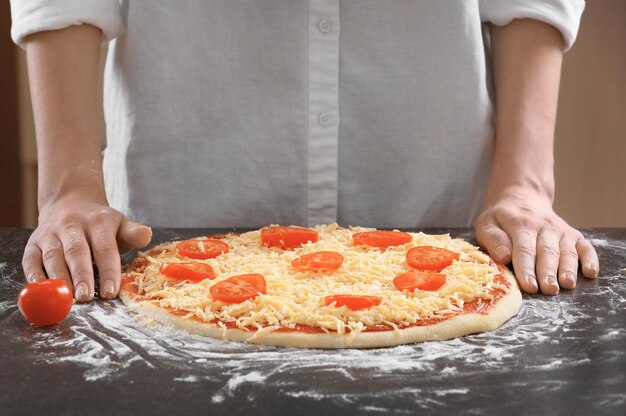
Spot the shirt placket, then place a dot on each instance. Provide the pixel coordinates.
(323, 111)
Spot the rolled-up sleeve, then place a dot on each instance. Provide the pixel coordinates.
(562, 14)
(32, 16)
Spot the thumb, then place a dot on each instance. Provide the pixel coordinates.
(491, 236)
(132, 235)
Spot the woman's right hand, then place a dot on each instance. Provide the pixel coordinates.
(71, 230)
(75, 220)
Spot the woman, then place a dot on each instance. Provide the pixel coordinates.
(244, 113)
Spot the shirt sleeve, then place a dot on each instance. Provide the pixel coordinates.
(562, 14)
(32, 16)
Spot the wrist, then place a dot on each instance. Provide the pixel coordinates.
(522, 193)
(521, 170)
(80, 182)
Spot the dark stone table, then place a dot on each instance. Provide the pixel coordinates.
(562, 355)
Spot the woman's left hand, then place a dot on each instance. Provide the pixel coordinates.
(524, 228)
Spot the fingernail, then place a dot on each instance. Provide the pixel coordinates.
(532, 281)
(32, 278)
(552, 280)
(593, 268)
(501, 252)
(82, 291)
(107, 289)
(568, 277)
(553, 283)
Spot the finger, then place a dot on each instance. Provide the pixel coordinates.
(568, 262)
(524, 251)
(494, 239)
(132, 235)
(106, 256)
(54, 260)
(547, 260)
(78, 259)
(588, 258)
(32, 263)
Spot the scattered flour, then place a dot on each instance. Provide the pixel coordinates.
(252, 377)
(599, 242)
(7, 304)
(611, 335)
(218, 398)
(306, 394)
(187, 379)
(446, 392)
(374, 409)
(106, 341)
(559, 364)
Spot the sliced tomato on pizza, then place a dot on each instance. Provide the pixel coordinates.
(318, 261)
(430, 258)
(353, 302)
(287, 237)
(381, 238)
(194, 272)
(202, 249)
(237, 289)
(419, 280)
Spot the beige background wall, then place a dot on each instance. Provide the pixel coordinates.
(591, 124)
(590, 134)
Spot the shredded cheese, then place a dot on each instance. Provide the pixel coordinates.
(296, 298)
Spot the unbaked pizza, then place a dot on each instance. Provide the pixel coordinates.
(322, 287)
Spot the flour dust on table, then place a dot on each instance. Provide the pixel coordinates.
(102, 339)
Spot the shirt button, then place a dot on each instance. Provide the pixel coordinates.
(324, 25)
(324, 119)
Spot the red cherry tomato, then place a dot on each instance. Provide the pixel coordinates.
(430, 258)
(195, 272)
(381, 239)
(418, 280)
(46, 302)
(287, 237)
(202, 249)
(353, 302)
(319, 261)
(239, 288)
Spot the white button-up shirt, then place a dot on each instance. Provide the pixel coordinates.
(242, 113)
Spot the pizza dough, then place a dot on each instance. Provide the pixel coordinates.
(477, 295)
